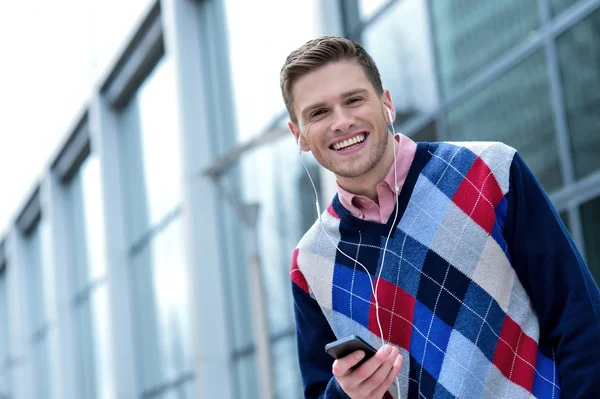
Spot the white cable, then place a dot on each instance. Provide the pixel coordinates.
(375, 287)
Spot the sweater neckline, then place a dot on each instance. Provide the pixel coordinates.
(351, 222)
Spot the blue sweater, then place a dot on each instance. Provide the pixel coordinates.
(482, 288)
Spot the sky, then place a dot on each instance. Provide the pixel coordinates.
(53, 53)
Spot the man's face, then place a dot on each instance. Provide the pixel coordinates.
(341, 119)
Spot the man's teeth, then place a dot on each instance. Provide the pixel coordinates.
(347, 143)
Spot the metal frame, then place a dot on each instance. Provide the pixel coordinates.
(3, 257)
(74, 151)
(142, 53)
(31, 213)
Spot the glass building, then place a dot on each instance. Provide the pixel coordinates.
(151, 259)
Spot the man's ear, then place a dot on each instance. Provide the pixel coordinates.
(298, 136)
(387, 101)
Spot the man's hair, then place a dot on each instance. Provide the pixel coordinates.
(317, 53)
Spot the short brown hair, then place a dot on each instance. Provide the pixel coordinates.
(319, 52)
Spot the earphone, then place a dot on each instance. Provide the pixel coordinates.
(374, 288)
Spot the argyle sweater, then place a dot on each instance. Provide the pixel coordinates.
(482, 288)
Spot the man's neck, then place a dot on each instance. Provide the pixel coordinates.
(367, 184)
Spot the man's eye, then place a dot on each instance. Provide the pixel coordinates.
(353, 100)
(318, 112)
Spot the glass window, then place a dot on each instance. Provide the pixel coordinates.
(151, 150)
(247, 377)
(470, 34)
(5, 382)
(559, 6)
(257, 95)
(579, 57)
(514, 109)
(286, 379)
(426, 134)
(277, 191)
(368, 8)
(37, 289)
(590, 220)
(399, 42)
(273, 178)
(90, 287)
(161, 303)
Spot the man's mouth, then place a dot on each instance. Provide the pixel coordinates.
(350, 143)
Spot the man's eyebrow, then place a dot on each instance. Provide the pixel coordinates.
(353, 92)
(322, 104)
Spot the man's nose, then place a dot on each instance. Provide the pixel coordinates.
(343, 120)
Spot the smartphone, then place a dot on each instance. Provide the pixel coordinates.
(345, 346)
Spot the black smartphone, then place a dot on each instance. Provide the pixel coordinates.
(345, 346)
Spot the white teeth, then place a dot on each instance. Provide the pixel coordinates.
(346, 143)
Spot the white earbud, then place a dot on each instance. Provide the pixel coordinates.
(391, 119)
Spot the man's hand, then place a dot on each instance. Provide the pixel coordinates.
(373, 378)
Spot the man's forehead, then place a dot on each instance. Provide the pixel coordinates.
(330, 82)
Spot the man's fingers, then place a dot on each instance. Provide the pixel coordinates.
(389, 379)
(377, 378)
(370, 366)
(344, 365)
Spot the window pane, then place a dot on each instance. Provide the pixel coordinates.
(399, 42)
(36, 285)
(151, 150)
(38, 289)
(426, 134)
(87, 225)
(514, 109)
(579, 57)
(5, 383)
(590, 219)
(40, 352)
(470, 34)
(255, 68)
(101, 340)
(368, 8)
(160, 294)
(274, 178)
(247, 377)
(559, 6)
(285, 358)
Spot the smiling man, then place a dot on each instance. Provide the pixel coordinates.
(447, 257)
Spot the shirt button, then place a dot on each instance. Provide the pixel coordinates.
(362, 200)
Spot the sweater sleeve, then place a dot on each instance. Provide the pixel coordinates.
(561, 287)
(312, 334)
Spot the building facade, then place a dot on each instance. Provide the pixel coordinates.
(151, 259)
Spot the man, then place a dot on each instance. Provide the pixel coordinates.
(450, 253)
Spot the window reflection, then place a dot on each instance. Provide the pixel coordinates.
(399, 42)
(367, 8)
(514, 109)
(470, 34)
(256, 90)
(164, 349)
(590, 220)
(5, 371)
(151, 150)
(286, 379)
(579, 57)
(558, 6)
(272, 177)
(38, 288)
(90, 295)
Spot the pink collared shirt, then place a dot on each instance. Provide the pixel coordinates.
(363, 207)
